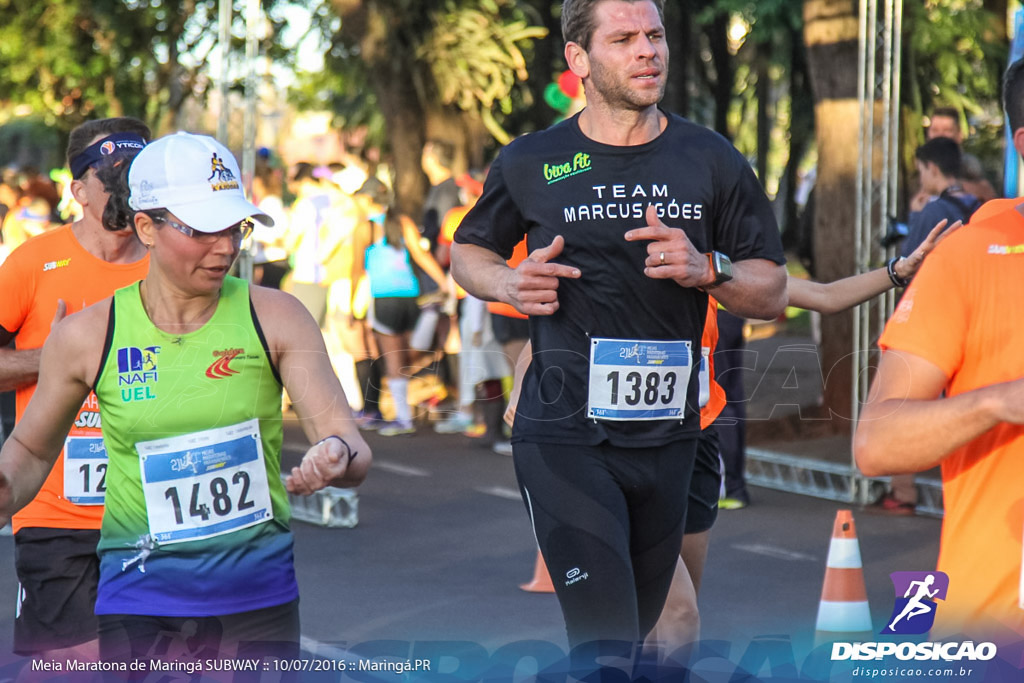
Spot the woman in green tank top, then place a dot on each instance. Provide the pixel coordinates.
(188, 365)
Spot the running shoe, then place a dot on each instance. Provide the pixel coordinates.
(890, 505)
(369, 421)
(454, 425)
(397, 428)
(502, 447)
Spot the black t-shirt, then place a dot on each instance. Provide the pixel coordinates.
(559, 182)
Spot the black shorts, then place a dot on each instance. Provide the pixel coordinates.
(609, 522)
(508, 329)
(58, 571)
(394, 315)
(271, 631)
(706, 484)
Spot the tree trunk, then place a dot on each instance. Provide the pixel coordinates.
(764, 119)
(405, 120)
(1000, 9)
(718, 41)
(830, 33)
(801, 134)
(545, 64)
(679, 31)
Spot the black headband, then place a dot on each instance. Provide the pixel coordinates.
(97, 151)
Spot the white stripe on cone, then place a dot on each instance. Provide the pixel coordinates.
(843, 616)
(844, 553)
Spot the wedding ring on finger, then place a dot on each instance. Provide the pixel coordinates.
(661, 257)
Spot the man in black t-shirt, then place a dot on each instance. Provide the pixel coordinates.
(631, 214)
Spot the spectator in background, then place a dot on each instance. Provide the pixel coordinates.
(945, 123)
(481, 362)
(311, 241)
(269, 253)
(443, 195)
(938, 166)
(390, 244)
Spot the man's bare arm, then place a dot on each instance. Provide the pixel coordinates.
(757, 288)
(907, 426)
(531, 287)
(20, 367)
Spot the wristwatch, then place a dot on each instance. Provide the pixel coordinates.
(721, 266)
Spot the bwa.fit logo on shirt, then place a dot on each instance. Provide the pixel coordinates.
(555, 172)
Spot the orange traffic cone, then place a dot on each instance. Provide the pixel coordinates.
(541, 582)
(844, 600)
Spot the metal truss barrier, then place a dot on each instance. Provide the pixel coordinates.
(832, 481)
(330, 507)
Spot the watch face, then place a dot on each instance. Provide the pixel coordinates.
(723, 267)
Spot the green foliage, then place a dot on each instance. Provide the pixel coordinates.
(70, 60)
(475, 57)
(958, 60)
(462, 54)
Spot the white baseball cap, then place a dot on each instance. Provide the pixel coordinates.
(194, 177)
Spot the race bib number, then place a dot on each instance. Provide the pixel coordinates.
(638, 380)
(205, 484)
(85, 470)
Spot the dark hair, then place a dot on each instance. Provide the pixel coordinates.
(1013, 95)
(113, 173)
(376, 190)
(944, 153)
(303, 171)
(578, 21)
(443, 151)
(949, 113)
(82, 136)
(393, 230)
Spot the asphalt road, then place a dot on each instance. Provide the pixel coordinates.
(443, 542)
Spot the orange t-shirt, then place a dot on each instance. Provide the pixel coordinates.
(994, 207)
(449, 224)
(46, 268)
(519, 255)
(964, 313)
(710, 411)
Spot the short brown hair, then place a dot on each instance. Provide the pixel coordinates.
(578, 19)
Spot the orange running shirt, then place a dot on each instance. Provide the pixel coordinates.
(964, 313)
(710, 411)
(34, 277)
(519, 255)
(449, 225)
(994, 207)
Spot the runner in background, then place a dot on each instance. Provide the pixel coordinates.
(195, 537)
(53, 275)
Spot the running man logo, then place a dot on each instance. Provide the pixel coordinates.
(914, 608)
(221, 176)
(554, 172)
(220, 369)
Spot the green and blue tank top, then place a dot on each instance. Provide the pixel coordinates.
(197, 517)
